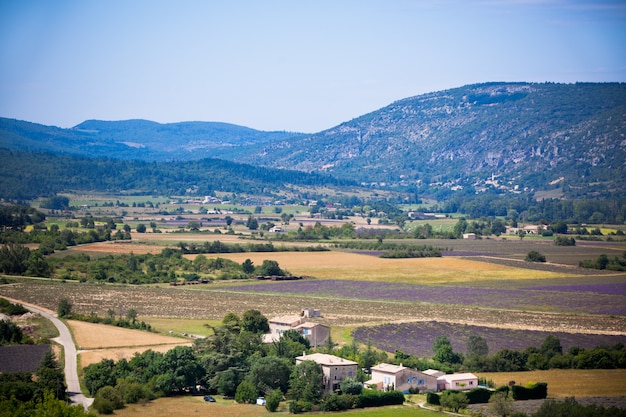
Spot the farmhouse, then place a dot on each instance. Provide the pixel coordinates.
(465, 381)
(334, 368)
(315, 333)
(389, 377)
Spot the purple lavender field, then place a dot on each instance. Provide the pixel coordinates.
(418, 338)
(591, 299)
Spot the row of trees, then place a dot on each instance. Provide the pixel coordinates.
(548, 356)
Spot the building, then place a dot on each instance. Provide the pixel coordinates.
(389, 377)
(460, 382)
(317, 334)
(334, 368)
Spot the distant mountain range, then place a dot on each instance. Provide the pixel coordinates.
(559, 139)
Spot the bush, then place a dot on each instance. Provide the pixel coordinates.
(297, 407)
(272, 401)
(336, 402)
(371, 398)
(107, 400)
(537, 391)
(246, 393)
(534, 256)
(432, 398)
(478, 395)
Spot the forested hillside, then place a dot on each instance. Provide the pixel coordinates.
(26, 175)
(138, 139)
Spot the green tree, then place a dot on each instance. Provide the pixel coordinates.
(269, 268)
(305, 382)
(141, 228)
(247, 266)
(268, 373)
(351, 386)
(255, 322)
(252, 223)
(37, 265)
(14, 259)
(64, 308)
(534, 256)
(272, 400)
(477, 346)
(454, 400)
(551, 346)
(246, 393)
(501, 405)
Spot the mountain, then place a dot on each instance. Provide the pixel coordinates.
(511, 136)
(551, 139)
(138, 139)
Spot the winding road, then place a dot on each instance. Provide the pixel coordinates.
(65, 339)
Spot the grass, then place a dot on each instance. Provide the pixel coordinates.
(181, 325)
(568, 382)
(194, 406)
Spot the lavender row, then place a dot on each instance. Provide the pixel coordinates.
(547, 299)
(418, 338)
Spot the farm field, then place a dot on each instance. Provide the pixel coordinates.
(96, 342)
(354, 266)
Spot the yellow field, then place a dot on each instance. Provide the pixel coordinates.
(568, 382)
(98, 341)
(341, 265)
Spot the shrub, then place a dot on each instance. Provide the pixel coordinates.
(534, 256)
(478, 395)
(273, 400)
(336, 402)
(297, 407)
(246, 393)
(108, 399)
(432, 398)
(537, 391)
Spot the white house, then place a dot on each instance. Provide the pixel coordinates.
(334, 368)
(462, 381)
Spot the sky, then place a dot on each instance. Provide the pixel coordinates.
(299, 66)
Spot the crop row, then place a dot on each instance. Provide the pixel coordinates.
(417, 338)
(548, 299)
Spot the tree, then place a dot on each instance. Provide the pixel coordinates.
(305, 382)
(14, 258)
(444, 353)
(181, 369)
(534, 256)
(247, 266)
(141, 228)
(255, 322)
(272, 400)
(252, 223)
(269, 268)
(551, 346)
(37, 265)
(194, 225)
(477, 346)
(132, 315)
(246, 393)
(501, 404)
(268, 373)
(454, 400)
(64, 308)
(56, 203)
(351, 386)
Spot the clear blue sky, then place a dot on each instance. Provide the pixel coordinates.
(286, 65)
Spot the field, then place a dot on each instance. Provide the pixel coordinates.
(477, 286)
(98, 341)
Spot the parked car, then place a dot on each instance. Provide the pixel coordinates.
(260, 401)
(208, 398)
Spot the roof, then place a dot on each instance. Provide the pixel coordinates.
(22, 358)
(325, 359)
(457, 377)
(288, 320)
(309, 325)
(388, 368)
(433, 372)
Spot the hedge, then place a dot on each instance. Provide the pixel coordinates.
(537, 391)
(478, 395)
(432, 398)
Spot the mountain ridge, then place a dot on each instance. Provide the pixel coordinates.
(511, 137)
